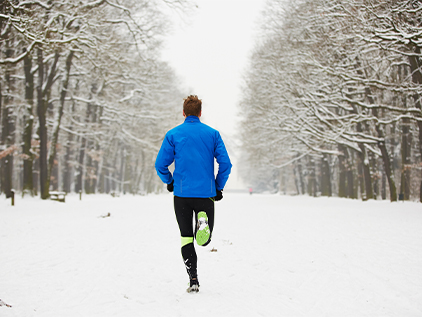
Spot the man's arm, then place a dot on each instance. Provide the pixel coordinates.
(164, 159)
(224, 164)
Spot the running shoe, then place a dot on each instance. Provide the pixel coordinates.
(202, 229)
(194, 286)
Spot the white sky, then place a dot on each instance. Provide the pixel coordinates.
(209, 51)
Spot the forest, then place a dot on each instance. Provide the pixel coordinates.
(331, 102)
(330, 105)
(84, 98)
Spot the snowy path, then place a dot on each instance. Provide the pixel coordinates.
(276, 256)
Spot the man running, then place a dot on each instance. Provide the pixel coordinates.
(193, 147)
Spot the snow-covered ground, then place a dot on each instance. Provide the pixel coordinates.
(276, 256)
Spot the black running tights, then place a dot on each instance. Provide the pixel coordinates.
(186, 209)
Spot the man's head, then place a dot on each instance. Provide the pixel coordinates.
(192, 106)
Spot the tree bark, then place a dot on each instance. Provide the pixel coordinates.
(350, 175)
(6, 163)
(375, 176)
(361, 177)
(67, 170)
(325, 177)
(79, 177)
(1, 114)
(312, 188)
(384, 153)
(383, 186)
(55, 137)
(43, 96)
(68, 164)
(122, 168)
(28, 184)
(405, 160)
(296, 177)
(301, 178)
(41, 111)
(91, 161)
(342, 188)
(415, 67)
(8, 127)
(82, 151)
(364, 161)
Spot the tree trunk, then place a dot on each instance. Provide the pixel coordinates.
(113, 172)
(296, 178)
(36, 172)
(128, 175)
(43, 96)
(41, 111)
(90, 172)
(107, 186)
(82, 153)
(350, 176)
(122, 169)
(98, 165)
(1, 114)
(383, 185)
(28, 184)
(79, 177)
(342, 179)
(361, 178)
(364, 162)
(325, 176)
(91, 159)
(59, 115)
(405, 160)
(375, 176)
(68, 164)
(301, 178)
(6, 138)
(384, 153)
(388, 171)
(366, 183)
(67, 170)
(99, 182)
(415, 67)
(312, 190)
(8, 128)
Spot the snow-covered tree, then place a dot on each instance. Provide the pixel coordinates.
(344, 91)
(83, 79)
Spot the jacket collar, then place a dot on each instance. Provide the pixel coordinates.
(190, 119)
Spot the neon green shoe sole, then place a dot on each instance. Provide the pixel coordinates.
(203, 231)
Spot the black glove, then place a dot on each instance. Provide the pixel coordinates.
(219, 195)
(170, 186)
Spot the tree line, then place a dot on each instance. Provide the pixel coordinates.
(331, 103)
(84, 97)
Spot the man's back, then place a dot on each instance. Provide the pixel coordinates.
(193, 146)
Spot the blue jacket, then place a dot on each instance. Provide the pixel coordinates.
(193, 147)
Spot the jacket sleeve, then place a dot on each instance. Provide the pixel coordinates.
(164, 159)
(224, 164)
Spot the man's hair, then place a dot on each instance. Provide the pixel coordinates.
(192, 106)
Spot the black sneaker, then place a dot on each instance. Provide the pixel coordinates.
(194, 286)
